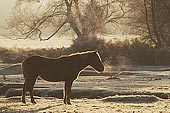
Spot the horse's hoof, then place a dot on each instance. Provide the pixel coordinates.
(23, 101)
(33, 102)
(65, 102)
(69, 103)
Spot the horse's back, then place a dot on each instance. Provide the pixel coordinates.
(50, 69)
(53, 69)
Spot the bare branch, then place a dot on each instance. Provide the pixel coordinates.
(113, 19)
(37, 23)
(54, 32)
(85, 18)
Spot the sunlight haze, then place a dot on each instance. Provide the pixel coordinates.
(6, 7)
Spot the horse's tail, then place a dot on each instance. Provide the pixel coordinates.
(23, 70)
(24, 74)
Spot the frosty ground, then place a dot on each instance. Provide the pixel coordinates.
(141, 90)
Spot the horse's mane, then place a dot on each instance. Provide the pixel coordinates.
(83, 54)
(78, 53)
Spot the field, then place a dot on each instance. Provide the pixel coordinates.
(138, 89)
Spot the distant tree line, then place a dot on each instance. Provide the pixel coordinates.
(133, 52)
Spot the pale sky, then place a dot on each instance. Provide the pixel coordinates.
(5, 9)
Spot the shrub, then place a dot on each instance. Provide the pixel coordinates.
(120, 52)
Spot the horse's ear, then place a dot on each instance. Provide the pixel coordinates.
(96, 51)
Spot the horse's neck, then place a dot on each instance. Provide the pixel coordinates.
(83, 61)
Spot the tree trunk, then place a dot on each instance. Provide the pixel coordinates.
(71, 20)
(148, 25)
(154, 23)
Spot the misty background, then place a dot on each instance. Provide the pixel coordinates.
(6, 10)
(124, 32)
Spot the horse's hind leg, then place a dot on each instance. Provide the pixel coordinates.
(23, 94)
(32, 82)
(67, 92)
(28, 86)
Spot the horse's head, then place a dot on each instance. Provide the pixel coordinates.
(96, 62)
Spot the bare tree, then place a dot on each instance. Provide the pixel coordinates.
(85, 18)
(150, 19)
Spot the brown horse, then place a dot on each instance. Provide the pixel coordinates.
(65, 68)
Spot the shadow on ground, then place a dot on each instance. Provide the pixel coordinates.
(9, 90)
(17, 101)
(136, 99)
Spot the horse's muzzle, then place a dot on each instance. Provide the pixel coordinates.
(101, 69)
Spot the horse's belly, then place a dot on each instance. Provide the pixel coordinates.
(52, 78)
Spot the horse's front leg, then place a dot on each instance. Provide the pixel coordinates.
(67, 91)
